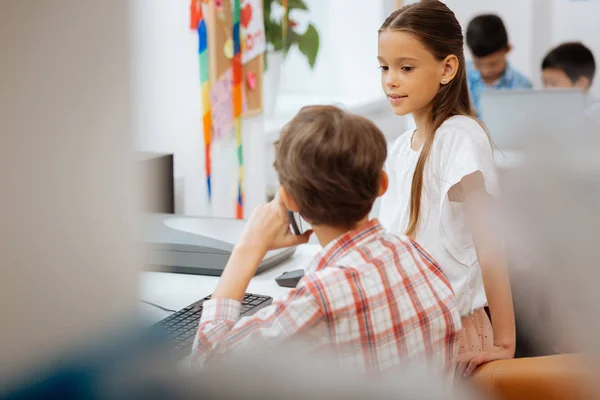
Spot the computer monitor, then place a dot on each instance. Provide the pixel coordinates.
(196, 245)
(514, 117)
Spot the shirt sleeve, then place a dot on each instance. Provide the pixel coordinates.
(466, 151)
(221, 329)
(522, 82)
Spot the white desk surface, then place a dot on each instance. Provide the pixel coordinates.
(177, 291)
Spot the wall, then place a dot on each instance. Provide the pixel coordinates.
(167, 100)
(347, 61)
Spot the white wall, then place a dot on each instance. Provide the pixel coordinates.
(167, 113)
(542, 32)
(167, 100)
(347, 61)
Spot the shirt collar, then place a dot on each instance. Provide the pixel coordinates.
(346, 243)
(504, 78)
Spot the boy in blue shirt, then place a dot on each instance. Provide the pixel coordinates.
(487, 39)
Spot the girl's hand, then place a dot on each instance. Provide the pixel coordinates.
(468, 362)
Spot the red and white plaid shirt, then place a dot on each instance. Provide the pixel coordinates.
(373, 299)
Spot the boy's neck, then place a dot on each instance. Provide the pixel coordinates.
(327, 234)
(490, 82)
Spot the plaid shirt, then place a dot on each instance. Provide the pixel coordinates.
(510, 79)
(373, 299)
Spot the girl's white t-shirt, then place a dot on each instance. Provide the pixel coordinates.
(460, 148)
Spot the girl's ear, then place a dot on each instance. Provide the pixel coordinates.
(450, 69)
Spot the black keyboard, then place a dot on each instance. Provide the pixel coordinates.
(181, 327)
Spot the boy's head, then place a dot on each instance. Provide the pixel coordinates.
(570, 65)
(488, 41)
(330, 166)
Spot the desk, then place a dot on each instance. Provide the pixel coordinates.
(176, 291)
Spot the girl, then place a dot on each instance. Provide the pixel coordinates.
(442, 175)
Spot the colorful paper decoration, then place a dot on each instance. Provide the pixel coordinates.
(251, 80)
(198, 22)
(237, 102)
(228, 50)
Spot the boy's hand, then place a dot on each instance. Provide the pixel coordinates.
(269, 228)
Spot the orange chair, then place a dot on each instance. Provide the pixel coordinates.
(557, 377)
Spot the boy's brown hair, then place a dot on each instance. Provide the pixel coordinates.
(330, 162)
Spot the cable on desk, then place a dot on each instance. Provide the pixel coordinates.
(157, 306)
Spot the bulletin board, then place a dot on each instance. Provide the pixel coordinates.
(220, 49)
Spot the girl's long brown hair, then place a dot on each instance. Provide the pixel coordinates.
(435, 25)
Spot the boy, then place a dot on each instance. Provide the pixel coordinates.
(372, 300)
(572, 65)
(487, 40)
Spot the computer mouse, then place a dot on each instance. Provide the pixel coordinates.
(290, 279)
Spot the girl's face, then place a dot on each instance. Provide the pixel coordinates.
(410, 75)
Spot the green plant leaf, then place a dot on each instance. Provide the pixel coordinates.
(277, 42)
(267, 8)
(297, 5)
(308, 44)
(292, 39)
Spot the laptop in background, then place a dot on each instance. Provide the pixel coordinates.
(515, 117)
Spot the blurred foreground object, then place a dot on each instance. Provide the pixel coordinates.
(552, 220)
(67, 215)
(559, 377)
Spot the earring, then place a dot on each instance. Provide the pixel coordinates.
(443, 81)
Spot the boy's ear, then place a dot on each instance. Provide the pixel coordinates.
(582, 83)
(289, 203)
(451, 64)
(383, 185)
(509, 48)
